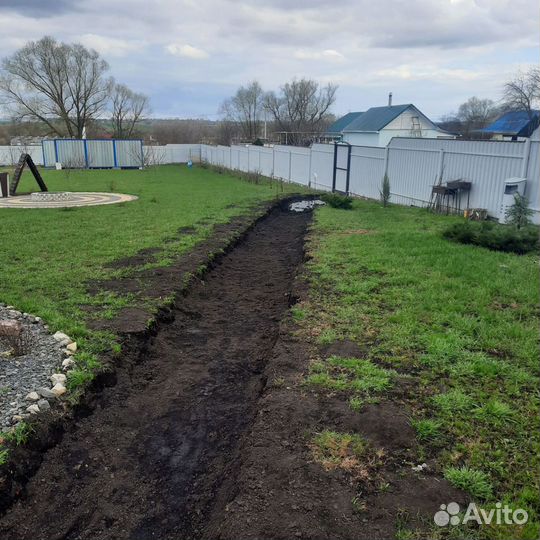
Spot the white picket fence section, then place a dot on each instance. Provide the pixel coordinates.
(413, 165)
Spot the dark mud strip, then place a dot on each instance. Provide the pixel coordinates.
(148, 462)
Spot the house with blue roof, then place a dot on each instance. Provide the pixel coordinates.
(378, 125)
(513, 125)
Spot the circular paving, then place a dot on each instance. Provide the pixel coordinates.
(75, 198)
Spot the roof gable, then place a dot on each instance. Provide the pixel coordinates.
(339, 125)
(517, 123)
(377, 118)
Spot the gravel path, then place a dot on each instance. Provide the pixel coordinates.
(20, 375)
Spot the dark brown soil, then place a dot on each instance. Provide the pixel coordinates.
(206, 431)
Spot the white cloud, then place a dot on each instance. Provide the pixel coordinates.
(327, 54)
(186, 51)
(435, 53)
(108, 46)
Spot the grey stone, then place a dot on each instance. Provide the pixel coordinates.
(43, 404)
(46, 392)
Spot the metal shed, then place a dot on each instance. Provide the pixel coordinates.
(93, 153)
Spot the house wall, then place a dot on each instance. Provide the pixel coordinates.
(386, 135)
(399, 127)
(362, 139)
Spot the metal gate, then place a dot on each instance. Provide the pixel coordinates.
(342, 168)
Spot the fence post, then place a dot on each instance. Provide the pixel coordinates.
(441, 165)
(273, 161)
(309, 173)
(525, 159)
(290, 165)
(386, 159)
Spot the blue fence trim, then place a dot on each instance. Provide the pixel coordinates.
(85, 152)
(56, 150)
(114, 154)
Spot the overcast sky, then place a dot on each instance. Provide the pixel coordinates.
(188, 55)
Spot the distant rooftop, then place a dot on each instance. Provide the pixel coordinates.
(377, 118)
(514, 123)
(339, 125)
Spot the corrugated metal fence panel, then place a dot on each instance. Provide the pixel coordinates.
(266, 161)
(533, 176)
(415, 165)
(411, 175)
(182, 153)
(300, 165)
(367, 170)
(130, 153)
(322, 166)
(282, 162)
(100, 154)
(49, 153)
(71, 153)
(9, 155)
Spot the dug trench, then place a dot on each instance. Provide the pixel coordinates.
(206, 431)
(151, 459)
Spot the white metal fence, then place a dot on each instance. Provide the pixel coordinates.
(413, 166)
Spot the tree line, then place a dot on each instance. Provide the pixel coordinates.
(66, 88)
(300, 110)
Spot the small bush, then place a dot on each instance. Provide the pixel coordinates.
(519, 214)
(385, 190)
(335, 200)
(494, 236)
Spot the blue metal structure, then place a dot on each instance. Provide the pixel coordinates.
(93, 153)
(514, 124)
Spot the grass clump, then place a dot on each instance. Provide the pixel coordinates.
(335, 450)
(495, 412)
(473, 481)
(452, 402)
(16, 436)
(353, 374)
(427, 430)
(335, 200)
(494, 236)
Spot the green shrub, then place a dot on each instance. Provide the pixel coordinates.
(385, 190)
(335, 200)
(519, 214)
(494, 236)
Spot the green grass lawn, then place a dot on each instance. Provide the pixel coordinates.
(48, 255)
(462, 320)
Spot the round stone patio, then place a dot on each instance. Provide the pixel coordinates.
(73, 199)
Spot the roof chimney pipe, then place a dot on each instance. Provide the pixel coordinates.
(390, 99)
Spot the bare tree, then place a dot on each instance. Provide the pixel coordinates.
(52, 81)
(522, 93)
(128, 109)
(302, 107)
(246, 109)
(227, 132)
(475, 114)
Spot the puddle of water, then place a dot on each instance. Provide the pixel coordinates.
(305, 206)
